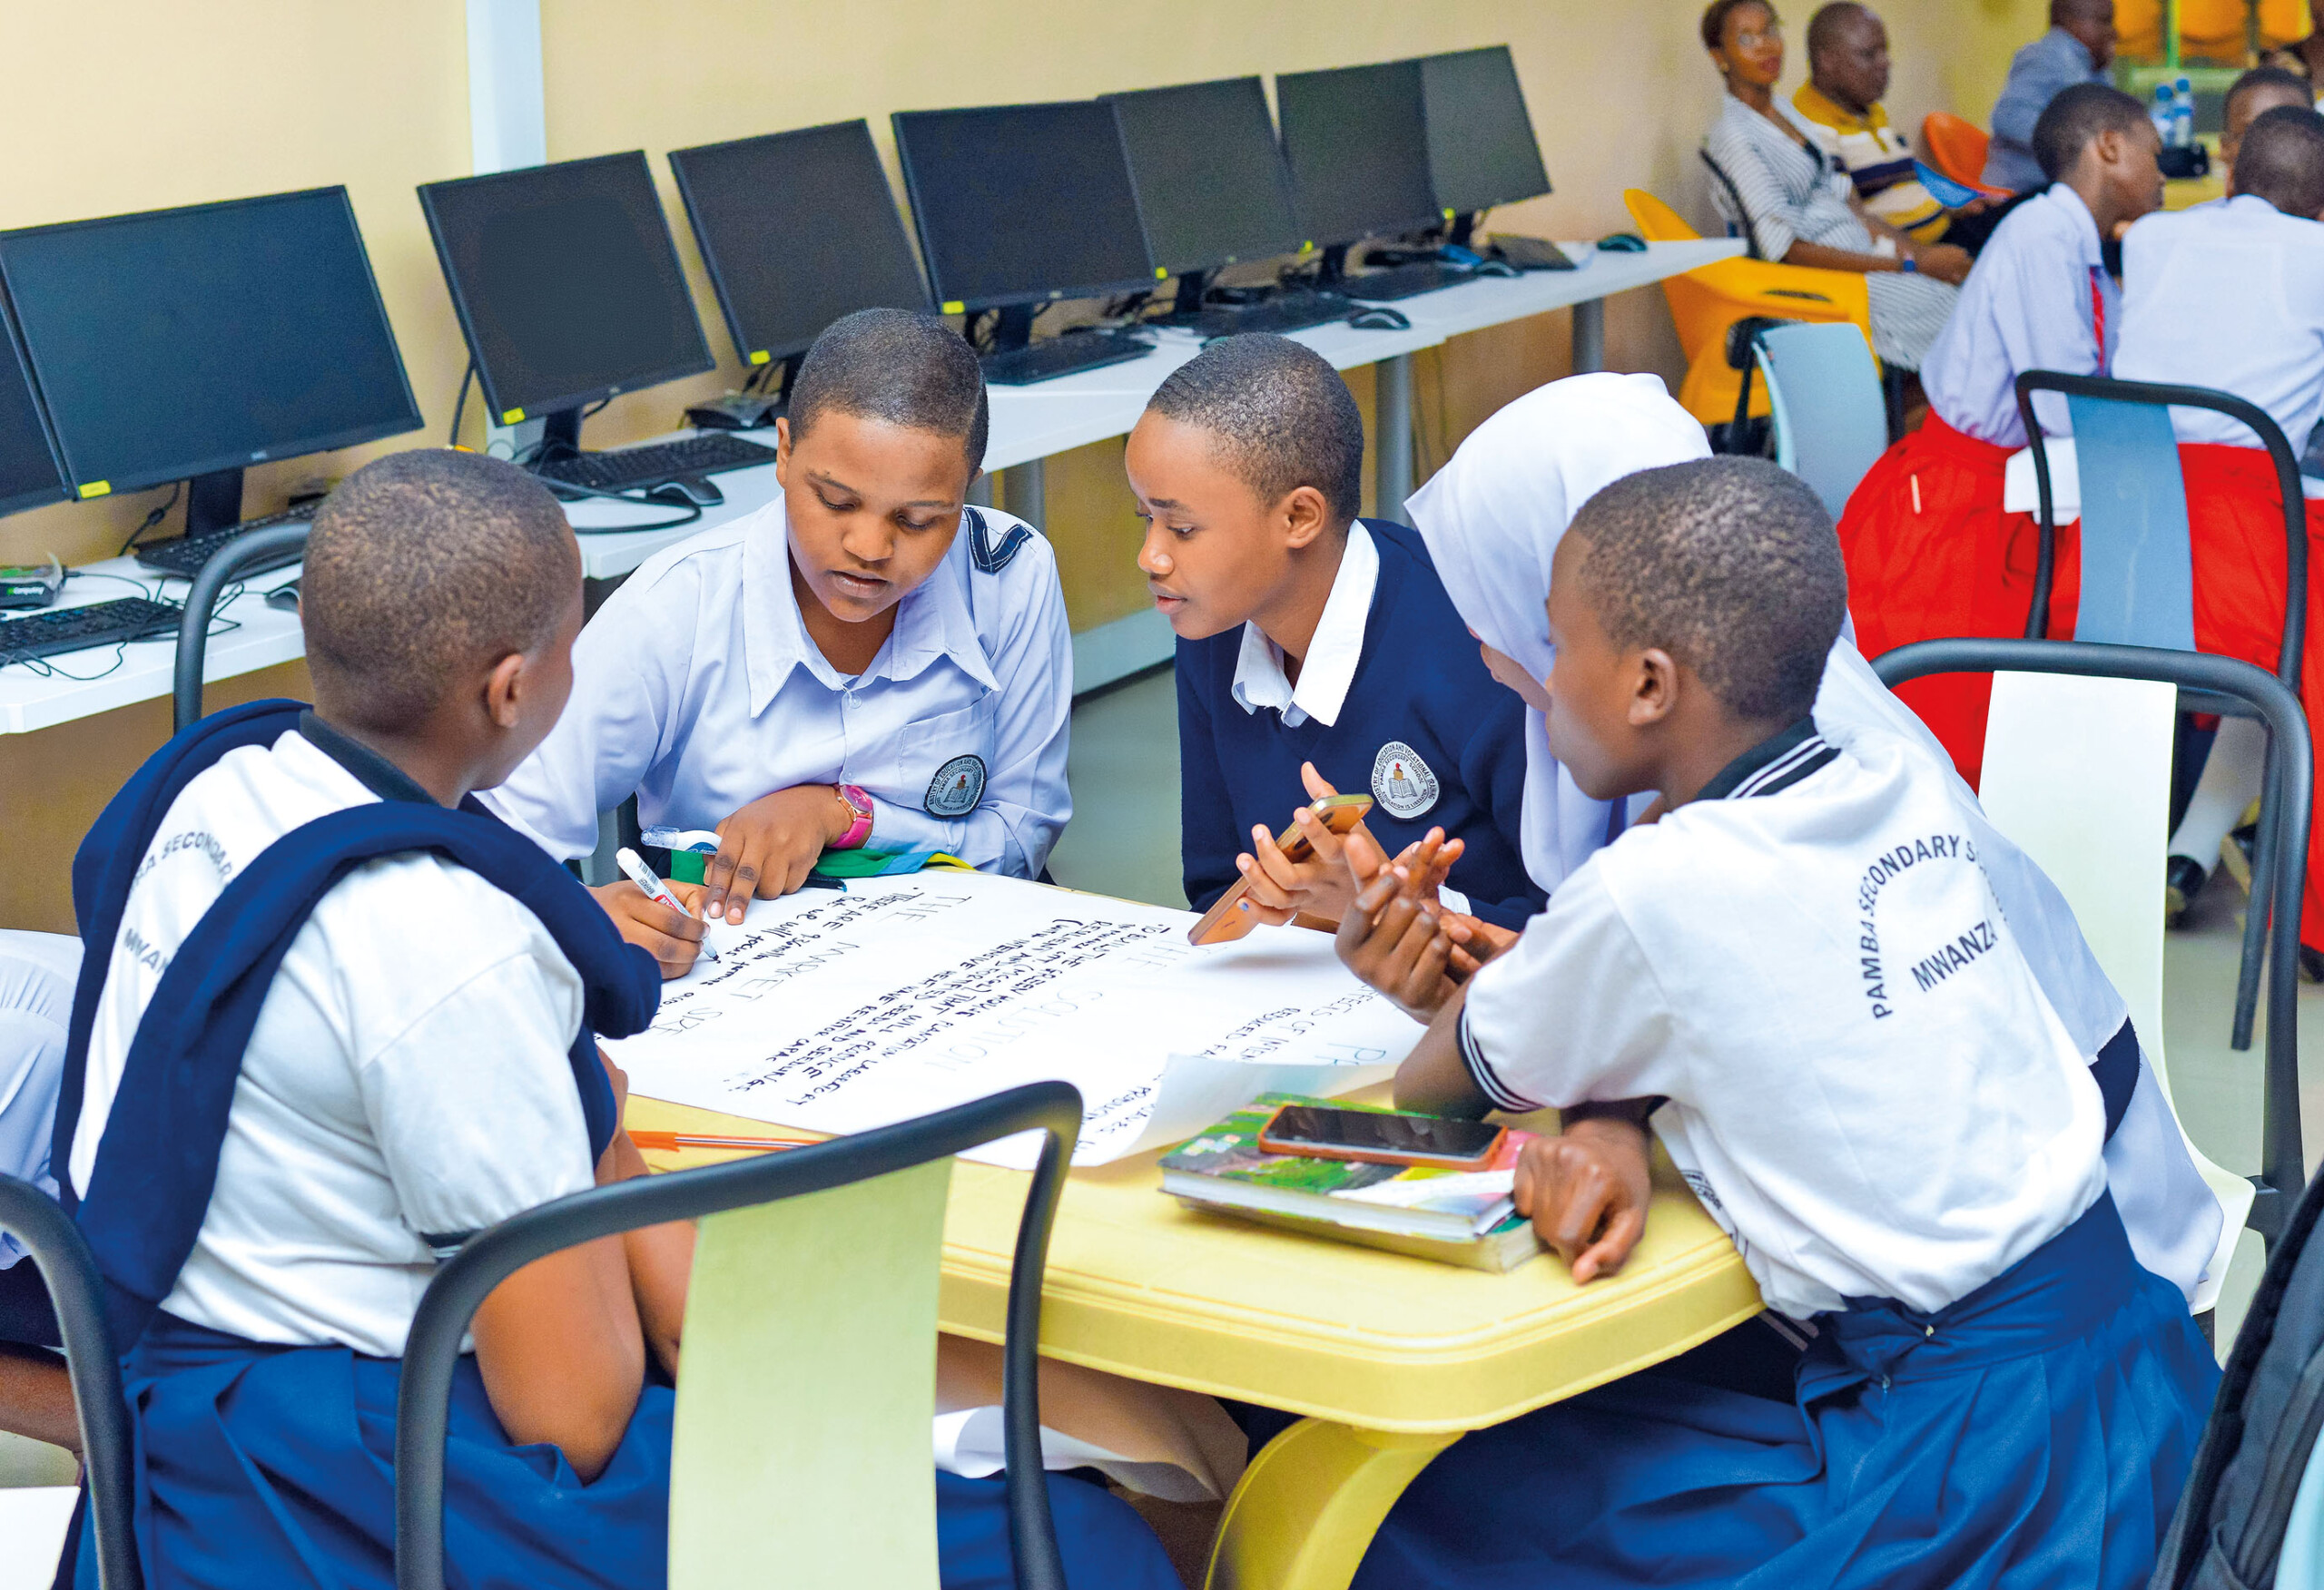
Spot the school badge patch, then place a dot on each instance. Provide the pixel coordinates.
(957, 788)
(1401, 782)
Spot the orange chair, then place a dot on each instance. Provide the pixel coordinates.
(1957, 148)
(1704, 302)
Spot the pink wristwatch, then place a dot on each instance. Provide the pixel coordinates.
(858, 803)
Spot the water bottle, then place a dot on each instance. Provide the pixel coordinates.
(2165, 114)
(2183, 114)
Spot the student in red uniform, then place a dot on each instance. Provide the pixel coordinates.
(2231, 296)
(1930, 552)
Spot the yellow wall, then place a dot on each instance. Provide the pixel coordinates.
(158, 103)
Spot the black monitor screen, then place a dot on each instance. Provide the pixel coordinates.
(566, 282)
(798, 229)
(1021, 203)
(28, 473)
(178, 342)
(1211, 182)
(1481, 146)
(1358, 147)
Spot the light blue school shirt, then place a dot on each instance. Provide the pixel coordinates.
(2229, 296)
(2026, 306)
(37, 971)
(697, 688)
(2038, 73)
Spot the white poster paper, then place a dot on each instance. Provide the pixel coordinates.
(842, 1012)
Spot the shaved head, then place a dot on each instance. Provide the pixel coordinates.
(423, 570)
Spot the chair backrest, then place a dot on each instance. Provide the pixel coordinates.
(2283, 1170)
(1955, 147)
(202, 605)
(2137, 568)
(77, 1294)
(821, 1260)
(1831, 419)
(2077, 774)
(1656, 221)
(1730, 200)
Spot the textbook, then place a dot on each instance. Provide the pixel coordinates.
(1456, 1217)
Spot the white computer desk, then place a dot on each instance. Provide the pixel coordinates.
(1029, 424)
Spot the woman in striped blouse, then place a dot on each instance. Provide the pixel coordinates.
(1798, 207)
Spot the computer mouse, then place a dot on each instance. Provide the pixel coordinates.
(693, 491)
(1497, 268)
(1379, 318)
(1623, 243)
(286, 597)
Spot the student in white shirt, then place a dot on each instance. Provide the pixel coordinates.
(868, 660)
(1806, 973)
(1930, 551)
(36, 975)
(2231, 296)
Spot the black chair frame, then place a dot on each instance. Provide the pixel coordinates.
(2283, 1172)
(77, 1295)
(432, 1350)
(202, 605)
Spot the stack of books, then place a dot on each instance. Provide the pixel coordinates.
(1456, 1217)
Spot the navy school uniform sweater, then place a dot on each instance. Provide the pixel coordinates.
(1421, 708)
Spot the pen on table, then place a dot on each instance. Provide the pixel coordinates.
(643, 877)
(671, 1141)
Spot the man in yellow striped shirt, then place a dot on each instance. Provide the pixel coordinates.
(1839, 106)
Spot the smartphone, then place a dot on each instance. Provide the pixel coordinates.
(1321, 1133)
(1223, 924)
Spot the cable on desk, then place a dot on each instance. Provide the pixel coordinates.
(152, 517)
(460, 403)
(43, 668)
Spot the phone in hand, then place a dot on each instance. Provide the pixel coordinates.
(1223, 924)
(1319, 1132)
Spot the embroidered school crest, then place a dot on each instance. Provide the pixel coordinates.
(957, 788)
(1401, 782)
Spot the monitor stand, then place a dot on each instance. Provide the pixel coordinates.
(213, 502)
(1012, 328)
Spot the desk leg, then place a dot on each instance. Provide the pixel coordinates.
(1392, 424)
(1028, 486)
(1589, 336)
(1310, 1503)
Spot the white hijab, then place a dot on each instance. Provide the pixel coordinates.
(1492, 519)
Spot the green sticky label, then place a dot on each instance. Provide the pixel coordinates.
(96, 488)
(512, 417)
(955, 307)
(760, 356)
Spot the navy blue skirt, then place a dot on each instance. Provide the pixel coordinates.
(2036, 1433)
(267, 1468)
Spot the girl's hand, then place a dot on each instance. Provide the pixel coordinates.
(1586, 1192)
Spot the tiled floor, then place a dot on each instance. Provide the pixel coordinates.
(1123, 840)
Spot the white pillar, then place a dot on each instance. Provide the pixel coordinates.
(507, 120)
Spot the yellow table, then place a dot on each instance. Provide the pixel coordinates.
(1390, 1358)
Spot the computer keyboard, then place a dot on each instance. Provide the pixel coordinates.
(1529, 254)
(184, 556)
(629, 468)
(1290, 311)
(1402, 281)
(1062, 355)
(71, 629)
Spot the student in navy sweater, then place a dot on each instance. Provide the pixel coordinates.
(1316, 652)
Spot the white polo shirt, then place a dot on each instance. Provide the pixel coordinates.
(1866, 1084)
(1333, 654)
(36, 975)
(408, 1078)
(697, 688)
(2229, 295)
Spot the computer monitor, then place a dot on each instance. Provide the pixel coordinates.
(798, 229)
(1481, 146)
(29, 475)
(567, 284)
(1019, 205)
(185, 344)
(1357, 143)
(1210, 178)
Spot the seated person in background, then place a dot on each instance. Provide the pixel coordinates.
(1316, 651)
(2078, 48)
(1799, 207)
(1913, 1165)
(867, 661)
(422, 1067)
(1839, 105)
(36, 975)
(2302, 57)
(2231, 296)
(2253, 95)
(1930, 552)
